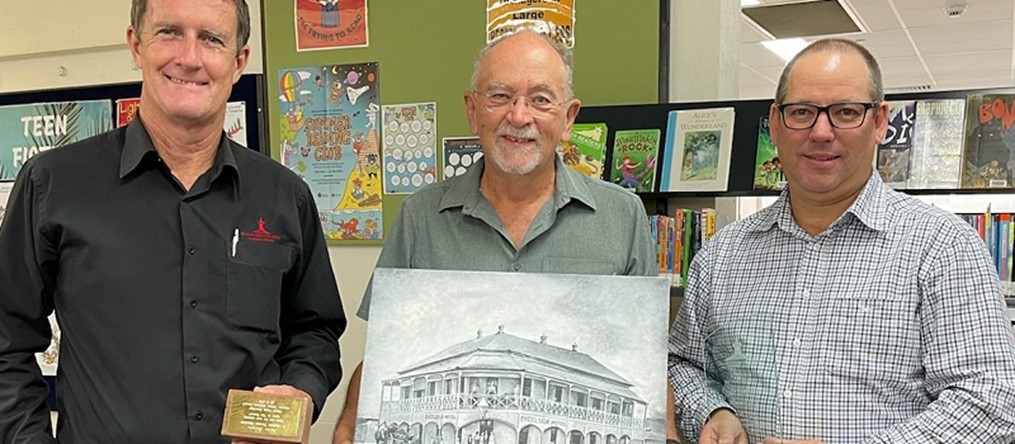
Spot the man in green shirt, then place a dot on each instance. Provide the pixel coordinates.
(520, 209)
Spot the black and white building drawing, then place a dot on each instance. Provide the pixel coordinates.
(446, 364)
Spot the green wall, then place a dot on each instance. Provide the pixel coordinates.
(426, 49)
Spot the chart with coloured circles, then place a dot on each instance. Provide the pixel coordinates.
(410, 146)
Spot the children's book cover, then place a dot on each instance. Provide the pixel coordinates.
(895, 149)
(938, 136)
(634, 159)
(768, 173)
(989, 155)
(586, 150)
(698, 147)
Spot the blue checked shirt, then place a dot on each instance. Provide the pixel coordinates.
(888, 327)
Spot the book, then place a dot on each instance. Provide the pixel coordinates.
(989, 153)
(768, 173)
(634, 159)
(894, 150)
(697, 153)
(936, 159)
(586, 150)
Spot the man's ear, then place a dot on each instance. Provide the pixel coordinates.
(242, 57)
(470, 112)
(134, 43)
(572, 114)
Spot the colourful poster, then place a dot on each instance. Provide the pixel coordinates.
(329, 131)
(29, 129)
(554, 18)
(460, 154)
(410, 146)
(126, 109)
(330, 24)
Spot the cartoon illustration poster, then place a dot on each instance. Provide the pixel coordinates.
(330, 137)
(554, 18)
(410, 146)
(29, 129)
(330, 24)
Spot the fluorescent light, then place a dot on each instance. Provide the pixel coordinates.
(785, 48)
(744, 3)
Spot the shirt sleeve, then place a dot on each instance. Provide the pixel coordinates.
(27, 273)
(397, 253)
(312, 316)
(968, 348)
(694, 399)
(643, 257)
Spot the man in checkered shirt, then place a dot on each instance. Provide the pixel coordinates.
(845, 312)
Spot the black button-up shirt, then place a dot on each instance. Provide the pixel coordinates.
(166, 297)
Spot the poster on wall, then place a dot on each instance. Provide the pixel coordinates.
(28, 129)
(330, 137)
(235, 124)
(410, 146)
(330, 24)
(554, 18)
(517, 359)
(460, 154)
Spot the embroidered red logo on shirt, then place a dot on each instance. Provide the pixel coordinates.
(261, 234)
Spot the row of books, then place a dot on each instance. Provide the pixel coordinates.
(930, 144)
(679, 237)
(997, 230)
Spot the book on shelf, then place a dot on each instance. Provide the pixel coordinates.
(698, 147)
(938, 135)
(586, 150)
(768, 173)
(895, 149)
(989, 155)
(634, 155)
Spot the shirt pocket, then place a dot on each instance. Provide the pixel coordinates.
(254, 285)
(872, 338)
(578, 266)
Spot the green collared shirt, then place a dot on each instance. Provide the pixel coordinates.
(588, 227)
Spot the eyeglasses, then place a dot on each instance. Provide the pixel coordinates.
(541, 106)
(845, 115)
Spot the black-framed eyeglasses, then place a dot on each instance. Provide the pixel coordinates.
(844, 115)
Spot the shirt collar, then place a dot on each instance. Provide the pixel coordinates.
(868, 208)
(138, 144)
(569, 185)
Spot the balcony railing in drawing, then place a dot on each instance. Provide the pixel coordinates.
(458, 402)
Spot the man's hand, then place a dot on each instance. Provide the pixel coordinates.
(286, 390)
(723, 428)
(771, 440)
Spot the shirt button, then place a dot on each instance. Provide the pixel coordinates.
(193, 304)
(199, 415)
(807, 293)
(787, 394)
(191, 250)
(796, 342)
(517, 267)
(194, 359)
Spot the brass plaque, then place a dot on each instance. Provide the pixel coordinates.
(267, 417)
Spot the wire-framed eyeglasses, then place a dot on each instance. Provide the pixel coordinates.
(541, 106)
(843, 115)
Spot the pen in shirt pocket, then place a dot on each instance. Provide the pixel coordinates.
(236, 239)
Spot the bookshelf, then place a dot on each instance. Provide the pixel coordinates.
(740, 199)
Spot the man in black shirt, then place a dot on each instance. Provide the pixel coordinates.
(180, 264)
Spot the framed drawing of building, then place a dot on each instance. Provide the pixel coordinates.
(456, 357)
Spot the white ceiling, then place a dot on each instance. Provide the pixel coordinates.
(915, 43)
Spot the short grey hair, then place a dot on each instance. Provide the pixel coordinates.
(875, 83)
(139, 7)
(563, 51)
